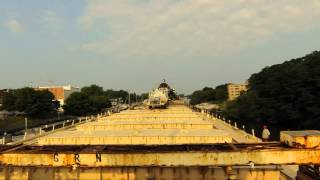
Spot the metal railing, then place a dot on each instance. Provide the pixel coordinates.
(242, 129)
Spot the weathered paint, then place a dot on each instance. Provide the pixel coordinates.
(257, 157)
(124, 125)
(301, 139)
(136, 173)
(133, 137)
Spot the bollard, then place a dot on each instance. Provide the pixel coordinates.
(53, 127)
(235, 125)
(253, 133)
(80, 120)
(229, 121)
(243, 128)
(40, 131)
(72, 122)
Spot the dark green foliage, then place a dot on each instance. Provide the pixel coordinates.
(77, 104)
(144, 96)
(112, 94)
(92, 90)
(98, 103)
(93, 99)
(8, 101)
(221, 92)
(90, 100)
(42, 103)
(286, 94)
(29, 101)
(208, 94)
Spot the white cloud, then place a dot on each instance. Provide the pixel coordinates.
(191, 28)
(14, 25)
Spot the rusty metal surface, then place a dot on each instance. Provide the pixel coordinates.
(139, 148)
(212, 158)
(301, 139)
(187, 155)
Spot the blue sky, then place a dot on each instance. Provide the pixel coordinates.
(134, 44)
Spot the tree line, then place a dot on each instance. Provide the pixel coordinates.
(208, 94)
(286, 95)
(29, 101)
(38, 103)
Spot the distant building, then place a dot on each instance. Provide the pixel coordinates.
(61, 93)
(235, 90)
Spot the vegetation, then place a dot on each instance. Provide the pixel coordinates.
(31, 102)
(208, 94)
(90, 100)
(93, 99)
(286, 95)
(111, 94)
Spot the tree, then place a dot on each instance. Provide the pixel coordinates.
(98, 103)
(221, 92)
(112, 94)
(42, 103)
(77, 104)
(208, 94)
(285, 94)
(33, 103)
(93, 90)
(8, 101)
(90, 100)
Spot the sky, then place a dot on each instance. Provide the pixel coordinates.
(134, 44)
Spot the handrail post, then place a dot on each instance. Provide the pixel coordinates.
(25, 135)
(4, 138)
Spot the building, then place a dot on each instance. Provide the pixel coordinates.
(61, 93)
(235, 90)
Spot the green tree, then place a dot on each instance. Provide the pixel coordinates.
(221, 92)
(98, 103)
(42, 103)
(33, 103)
(90, 100)
(208, 94)
(112, 94)
(93, 90)
(285, 94)
(8, 101)
(77, 104)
